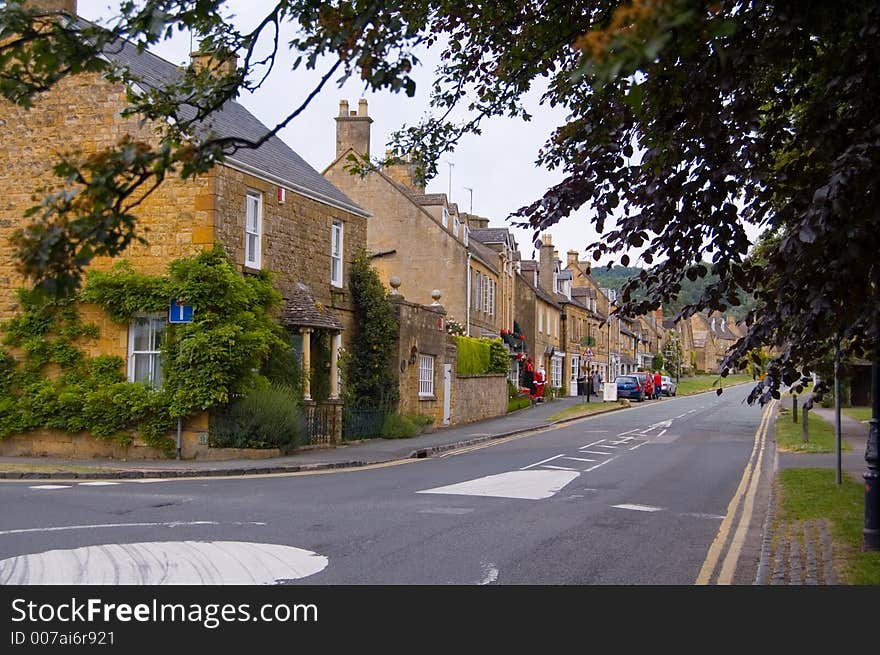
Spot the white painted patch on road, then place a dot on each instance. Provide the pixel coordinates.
(98, 483)
(50, 486)
(639, 508)
(166, 524)
(164, 563)
(525, 485)
(490, 574)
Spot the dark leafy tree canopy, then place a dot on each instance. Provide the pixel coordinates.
(687, 120)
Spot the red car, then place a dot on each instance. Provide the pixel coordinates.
(647, 381)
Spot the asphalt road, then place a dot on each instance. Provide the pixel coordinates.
(636, 497)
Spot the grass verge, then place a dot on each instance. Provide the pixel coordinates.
(858, 413)
(811, 493)
(700, 383)
(789, 435)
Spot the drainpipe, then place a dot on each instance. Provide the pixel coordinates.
(467, 300)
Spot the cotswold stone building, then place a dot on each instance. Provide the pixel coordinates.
(267, 207)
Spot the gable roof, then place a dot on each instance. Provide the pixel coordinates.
(484, 255)
(274, 159)
(301, 310)
(490, 234)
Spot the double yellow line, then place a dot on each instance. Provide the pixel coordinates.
(745, 493)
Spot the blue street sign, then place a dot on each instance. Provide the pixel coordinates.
(178, 313)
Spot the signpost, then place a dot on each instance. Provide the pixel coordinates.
(179, 313)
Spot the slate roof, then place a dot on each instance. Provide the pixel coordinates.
(490, 234)
(485, 255)
(301, 310)
(275, 159)
(429, 198)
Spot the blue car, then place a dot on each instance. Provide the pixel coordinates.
(629, 386)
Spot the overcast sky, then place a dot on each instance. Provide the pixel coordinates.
(497, 165)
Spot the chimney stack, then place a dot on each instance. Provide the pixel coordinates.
(353, 129)
(572, 257)
(221, 64)
(546, 263)
(51, 6)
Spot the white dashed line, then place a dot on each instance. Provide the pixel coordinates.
(543, 461)
(50, 486)
(559, 468)
(593, 468)
(581, 459)
(639, 508)
(98, 483)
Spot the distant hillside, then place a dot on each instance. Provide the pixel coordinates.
(617, 276)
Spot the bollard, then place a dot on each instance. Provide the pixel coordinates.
(794, 408)
(805, 424)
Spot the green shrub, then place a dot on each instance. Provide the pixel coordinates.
(269, 416)
(399, 426)
(421, 420)
(499, 360)
(481, 356)
(518, 403)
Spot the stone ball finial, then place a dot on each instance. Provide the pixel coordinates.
(436, 294)
(395, 284)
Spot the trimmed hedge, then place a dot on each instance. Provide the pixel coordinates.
(480, 356)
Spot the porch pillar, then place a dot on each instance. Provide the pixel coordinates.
(334, 366)
(307, 362)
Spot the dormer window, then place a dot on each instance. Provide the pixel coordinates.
(444, 220)
(466, 235)
(455, 225)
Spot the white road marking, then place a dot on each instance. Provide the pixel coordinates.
(593, 468)
(490, 574)
(526, 485)
(164, 562)
(148, 480)
(590, 445)
(580, 459)
(98, 483)
(692, 411)
(638, 445)
(166, 524)
(50, 486)
(682, 415)
(594, 452)
(543, 461)
(661, 433)
(559, 468)
(701, 515)
(447, 510)
(623, 434)
(639, 508)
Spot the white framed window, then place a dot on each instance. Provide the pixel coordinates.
(444, 217)
(540, 319)
(466, 235)
(477, 291)
(253, 229)
(336, 254)
(492, 297)
(486, 283)
(145, 334)
(455, 225)
(426, 375)
(556, 372)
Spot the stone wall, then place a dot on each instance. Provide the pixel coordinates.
(422, 331)
(478, 397)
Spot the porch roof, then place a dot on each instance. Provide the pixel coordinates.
(301, 310)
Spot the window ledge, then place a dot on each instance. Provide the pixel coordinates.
(432, 397)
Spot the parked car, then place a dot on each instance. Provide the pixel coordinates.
(668, 387)
(647, 381)
(629, 386)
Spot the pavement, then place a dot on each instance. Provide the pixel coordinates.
(346, 455)
(801, 552)
(791, 554)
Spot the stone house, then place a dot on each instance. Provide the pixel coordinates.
(412, 236)
(267, 207)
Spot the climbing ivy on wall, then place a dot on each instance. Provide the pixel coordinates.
(366, 367)
(55, 385)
